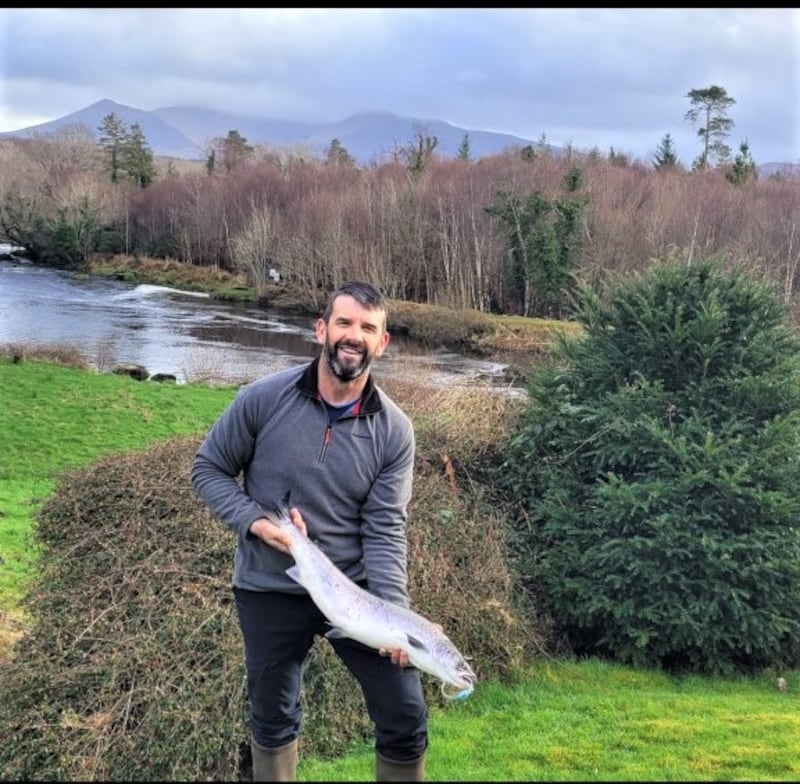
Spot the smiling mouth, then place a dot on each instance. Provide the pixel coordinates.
(350, 351)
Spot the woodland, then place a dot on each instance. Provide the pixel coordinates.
(514, 233)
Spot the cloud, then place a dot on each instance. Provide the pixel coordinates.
(606, 78)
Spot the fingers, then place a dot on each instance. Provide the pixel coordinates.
(297, 519)
(271, 534)
(398, 656)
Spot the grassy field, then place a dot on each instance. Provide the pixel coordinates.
(595, 721)
(588, 721)
(56, 418)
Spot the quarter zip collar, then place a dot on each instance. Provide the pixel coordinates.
(307, 384)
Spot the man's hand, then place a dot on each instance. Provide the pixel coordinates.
(274, 535)
(398, 656)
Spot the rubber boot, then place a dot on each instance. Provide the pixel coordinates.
(399, 770)
(278, 764)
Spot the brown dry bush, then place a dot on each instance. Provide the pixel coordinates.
(462, 426)
(133, 669)
(169, 271)
(61, 353)
(134, 633)
(432, 325)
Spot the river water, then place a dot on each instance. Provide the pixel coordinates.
(189, 335)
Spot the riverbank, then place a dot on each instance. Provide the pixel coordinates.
(518, 339)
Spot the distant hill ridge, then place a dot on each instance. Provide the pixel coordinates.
(184, 131)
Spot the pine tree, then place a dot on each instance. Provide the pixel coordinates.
(112, 135)
(235, 151)
(656, 474)
(337, 154)
(711, 104)
(464, 149)
(543, 245)
(744, 167)
(665, 157)
(136, 157)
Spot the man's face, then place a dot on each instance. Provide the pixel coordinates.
(352, 338)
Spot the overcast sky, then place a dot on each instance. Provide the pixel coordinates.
(593, 78)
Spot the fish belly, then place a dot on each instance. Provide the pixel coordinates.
(351, 611)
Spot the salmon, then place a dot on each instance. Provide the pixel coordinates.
(375, 622)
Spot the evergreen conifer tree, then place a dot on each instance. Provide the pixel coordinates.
(744, 167)
(656, 474)
(665, 157)
(136, 157)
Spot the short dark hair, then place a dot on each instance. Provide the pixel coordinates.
(362, 292)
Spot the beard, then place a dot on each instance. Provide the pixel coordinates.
(350, 367)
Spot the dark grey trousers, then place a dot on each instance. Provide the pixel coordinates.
(278, 631)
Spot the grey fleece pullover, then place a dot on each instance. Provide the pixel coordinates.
(350, 479)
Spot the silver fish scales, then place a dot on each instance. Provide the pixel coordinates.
(354, 612)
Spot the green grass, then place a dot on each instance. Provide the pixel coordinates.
(577, 721)
(56, 418)
(595, 721)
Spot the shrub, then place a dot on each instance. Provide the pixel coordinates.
(656, 474)
(432, 325)
(134, 667)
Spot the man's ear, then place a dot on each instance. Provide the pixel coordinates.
(320, 330)
(385, 338)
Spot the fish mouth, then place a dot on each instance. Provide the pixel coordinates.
(466, 680)
(463, 684)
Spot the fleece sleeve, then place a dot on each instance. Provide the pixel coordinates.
(385, 513)
(217, 466)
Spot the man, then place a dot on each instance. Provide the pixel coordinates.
(327, 434)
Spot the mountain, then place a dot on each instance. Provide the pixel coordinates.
(184, 131)
(163, 138)
(377, 134)
(781, 169)
(201, 125)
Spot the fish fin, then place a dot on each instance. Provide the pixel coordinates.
(335, 633)
(413, 642)
(277, 512)
(294, 573)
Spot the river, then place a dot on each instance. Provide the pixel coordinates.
(189, 335)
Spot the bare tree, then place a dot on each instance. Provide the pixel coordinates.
(255, 248)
